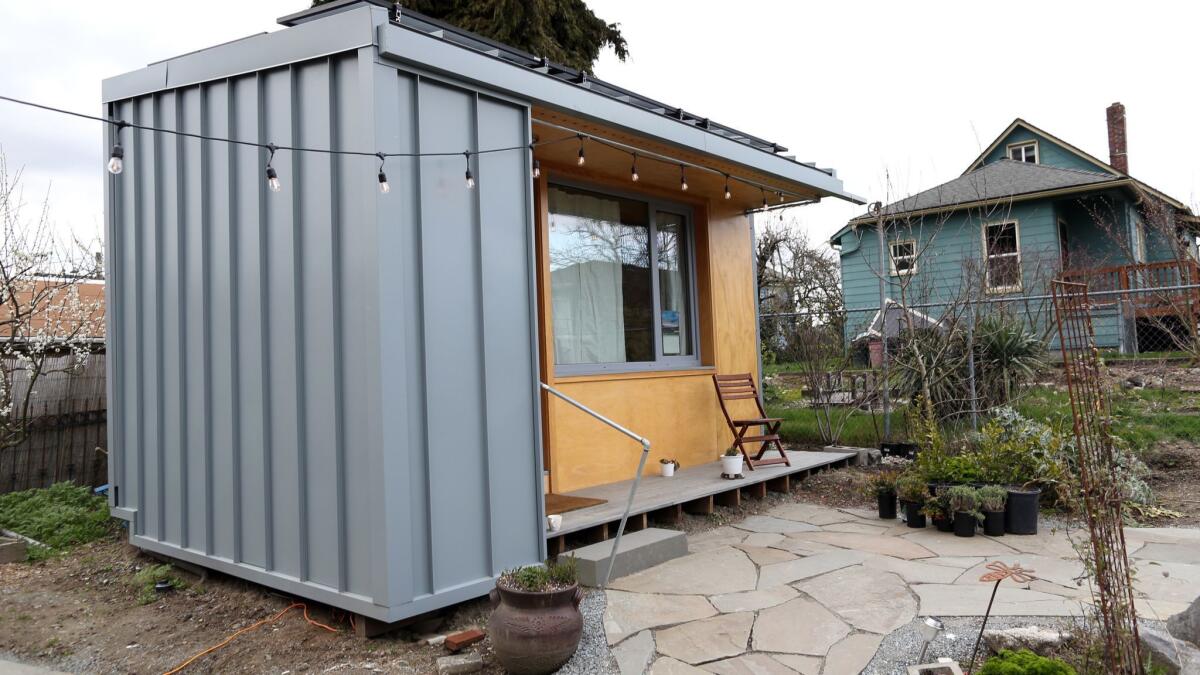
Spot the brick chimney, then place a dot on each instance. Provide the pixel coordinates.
(1118, 155)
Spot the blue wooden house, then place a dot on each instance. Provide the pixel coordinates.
(1031, 208)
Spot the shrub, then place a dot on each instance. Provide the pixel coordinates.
(1024, 662)
(962, 499)
(883, 483)
(936, 508)
(555, 575)
(992, 498)
(59, 516)
(1008, 357)
(911, 488)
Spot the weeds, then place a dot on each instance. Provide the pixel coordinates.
(61, 516)
(148, 577)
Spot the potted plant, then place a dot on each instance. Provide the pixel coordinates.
(666, 467)
(883, 486)
(1021, 511)
(964, 504)
(536, 625)
(991, 501)
(937, 510)
(731, 462)
(911, 490)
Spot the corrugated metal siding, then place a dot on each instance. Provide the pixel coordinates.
(327, 390)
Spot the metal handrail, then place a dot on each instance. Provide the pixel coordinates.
(637, 478)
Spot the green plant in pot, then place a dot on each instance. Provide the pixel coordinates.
(883, 486)
(937, 510)
(964, 504)
(912, 491)
(536, 625)
(992, 499)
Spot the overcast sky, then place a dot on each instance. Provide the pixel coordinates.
(912, 91)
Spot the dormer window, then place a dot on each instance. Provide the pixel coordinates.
(1026, 151)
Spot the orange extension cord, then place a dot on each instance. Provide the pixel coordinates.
(247, 629)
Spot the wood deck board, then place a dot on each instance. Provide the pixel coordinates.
(688, 484)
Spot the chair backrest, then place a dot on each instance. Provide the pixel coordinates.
(733, 388)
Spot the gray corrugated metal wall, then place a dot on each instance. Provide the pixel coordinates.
(327, 390)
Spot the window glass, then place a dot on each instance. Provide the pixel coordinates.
(600, 281)
(1003, 259)
(674, 281)
(904, 257)
(1024, 153)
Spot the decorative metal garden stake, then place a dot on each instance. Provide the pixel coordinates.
(1098, 481)
(999, 572)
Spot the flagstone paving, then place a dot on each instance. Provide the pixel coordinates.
(813, 590)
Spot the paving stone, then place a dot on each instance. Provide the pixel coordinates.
(897, 547)
(1163, 535)
(669, 666)
(1158, 610)
(801, 547)
(749, 664)
(811, 514)
(803, 568)
(715, 538)
(456, 664)
(799, 626)
(960, 561)
(721, 570)
(634, 654)
(852, 654)
(946, 544)
(775, 525)
(639, 551)
(964, 600)
(857, 528)
(914, 571)
(1178, 553)
(629, 613)
(753, 600)
(866, 514)
(707, 639)
(1057, 571)
(766, 556)
(1053, 543)
(867, 599)
(805, 665)
(763, 539)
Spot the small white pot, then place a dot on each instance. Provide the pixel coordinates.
(666, 470)
(554, 521)
(731, 466)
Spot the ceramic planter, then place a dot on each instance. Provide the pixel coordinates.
(535, 633)
(887, 505)
(731, 465)
(1021, 512)
(912, 513)
(965, 524)
(993, 523)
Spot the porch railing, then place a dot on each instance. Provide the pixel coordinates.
(1167, 275)
(637, 478)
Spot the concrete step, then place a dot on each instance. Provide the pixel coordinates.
(639, 550)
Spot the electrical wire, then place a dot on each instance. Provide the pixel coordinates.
(247, 629)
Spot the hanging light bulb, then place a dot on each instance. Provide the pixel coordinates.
(728, 194)
(536, 171)
(780, 197)
(683, 178)
(384, 188)
(764, 196)
(116, 158)
(633, 174)
(272, 175)
(470, 178)
(581, 159)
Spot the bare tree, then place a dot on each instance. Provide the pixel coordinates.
(48, 324)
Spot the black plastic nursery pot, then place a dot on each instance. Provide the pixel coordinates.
(965, 524)
(905, 450)
(993, 523)
(944, 524)
(887, 505)
(912, 512)
(1021, 513)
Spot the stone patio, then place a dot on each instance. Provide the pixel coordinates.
(814, 590)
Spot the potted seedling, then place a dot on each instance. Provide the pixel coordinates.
(1021, 510)
(911, 490)
(536, 625)
(937, 510)
(731, 462)
(964, 504)
(991, 501)
(883, 486)
(666, 467)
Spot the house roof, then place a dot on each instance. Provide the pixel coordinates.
(998, 180)
(1020, 123)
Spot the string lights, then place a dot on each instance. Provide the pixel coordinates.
(115, 163)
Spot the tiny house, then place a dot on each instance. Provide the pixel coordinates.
(334, 390)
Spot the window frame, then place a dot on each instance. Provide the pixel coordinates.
(987, 258)
(892, 257)
(660, 363)
(1037, 151)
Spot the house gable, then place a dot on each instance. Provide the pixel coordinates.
(1051, 150)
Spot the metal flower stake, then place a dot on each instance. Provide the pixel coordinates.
(999, 572)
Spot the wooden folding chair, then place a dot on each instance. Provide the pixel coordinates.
(735, 387)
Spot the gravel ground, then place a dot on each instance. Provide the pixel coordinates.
(593, 655)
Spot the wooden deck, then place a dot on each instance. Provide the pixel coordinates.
(694, 489)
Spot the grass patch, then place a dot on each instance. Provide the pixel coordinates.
(148, 577)
(1142, 417)
(800, 426)
(60, 516)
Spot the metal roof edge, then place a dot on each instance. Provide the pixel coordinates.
(412, 47)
